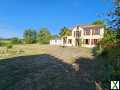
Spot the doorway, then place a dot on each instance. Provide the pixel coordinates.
(77, 42)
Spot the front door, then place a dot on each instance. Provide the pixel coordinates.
(77, 42)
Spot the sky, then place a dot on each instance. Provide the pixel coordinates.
(18, 15)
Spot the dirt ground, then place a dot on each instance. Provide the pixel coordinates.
(47, 67)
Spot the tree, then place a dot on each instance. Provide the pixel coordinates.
(109, 40)
(115, 19)
(15, 40)
(115, 25)
(99, 22)
(30, 36)
(44, 36)
(64, 32)
(111, 55)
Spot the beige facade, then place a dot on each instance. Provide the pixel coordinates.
(84, 36)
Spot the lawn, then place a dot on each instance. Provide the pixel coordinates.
(44, 67)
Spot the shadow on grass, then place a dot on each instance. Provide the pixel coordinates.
(46, 72)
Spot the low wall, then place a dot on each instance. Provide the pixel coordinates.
(56, 42)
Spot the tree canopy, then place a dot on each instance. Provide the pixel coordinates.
(64, 32)
(99, 22)
(114, 21)
(44, 36)
(30, 36)
(111, 45)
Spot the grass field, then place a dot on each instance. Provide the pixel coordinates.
(68, 54)
(44, 67)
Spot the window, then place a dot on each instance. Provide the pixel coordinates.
(96, 32)
(69, 41)
(94, 41)
(87, 41)
(87, 32)
(78, 33)
(64, 40)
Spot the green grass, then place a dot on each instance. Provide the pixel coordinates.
(6, 41)
(68, 54)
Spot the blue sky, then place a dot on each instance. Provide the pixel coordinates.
(18, 15)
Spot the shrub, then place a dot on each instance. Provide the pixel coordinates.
(98, 50)
(104, 71)
(9, 46)
(63, 46)
(114, 61)
(108, 65)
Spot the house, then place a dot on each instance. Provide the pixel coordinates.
(84, 36)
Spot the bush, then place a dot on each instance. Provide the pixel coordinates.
(9, 46)
(98, 50)
(108, 65)
(103, 71)
(63, 46)
(114, 61)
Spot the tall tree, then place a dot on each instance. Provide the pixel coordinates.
(115, 19)
(30, 36)
(64, 32)
(44, 36)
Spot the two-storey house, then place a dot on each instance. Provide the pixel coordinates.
(84, 36)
